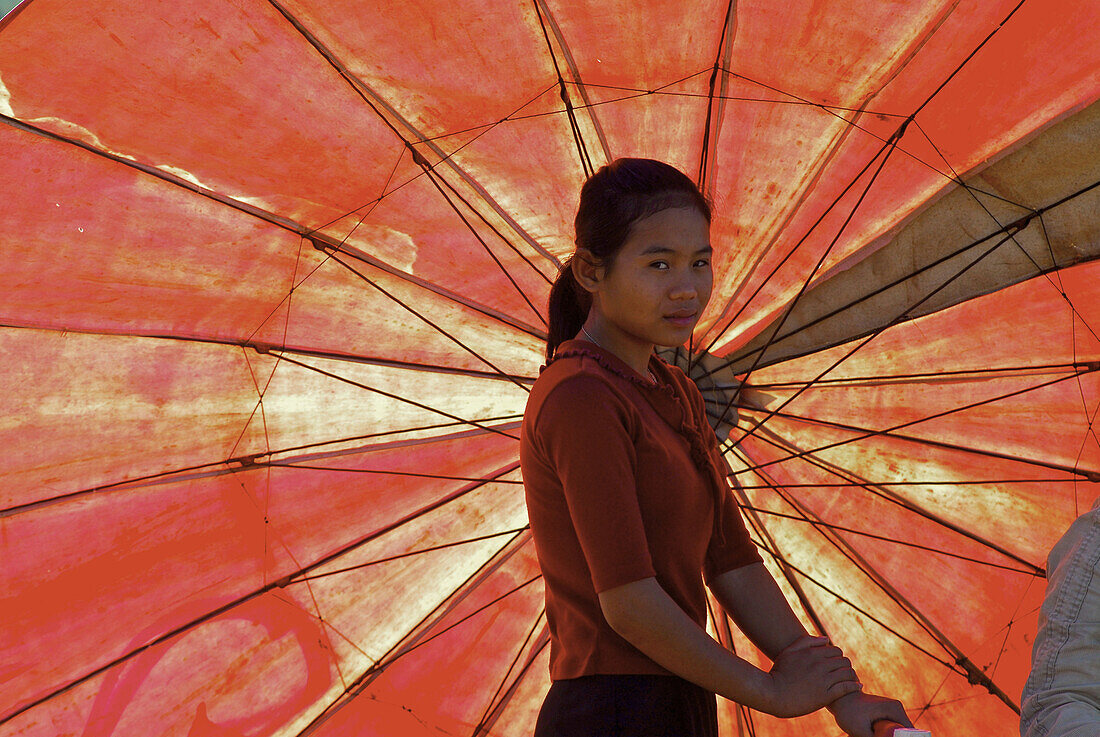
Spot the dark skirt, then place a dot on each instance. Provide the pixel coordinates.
(627, 706)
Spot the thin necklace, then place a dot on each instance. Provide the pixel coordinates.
(648, 371)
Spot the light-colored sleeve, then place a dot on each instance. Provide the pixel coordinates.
(1062, 694)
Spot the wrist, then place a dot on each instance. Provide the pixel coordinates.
(842, 701)
(765, 691)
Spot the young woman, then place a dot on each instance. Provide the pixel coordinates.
(628, 499)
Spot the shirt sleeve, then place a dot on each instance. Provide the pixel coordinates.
(585, 430)
(1062, 695)
(733, 548)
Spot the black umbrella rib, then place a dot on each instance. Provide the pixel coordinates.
(277, 221)
(888, 145)
(541, 644)
(768, 543)
(427, 321)
(818, 523)
(834, 110)
(366, 94)
(851, 556)
(707, 163)
(503, 695)
(968, 669)
(266, 588)
(412, 553)
(1011, 231)
(852, 605)
(399, 398)
(427, 170)
(885, 153)
(1002, 230)
(375, 471)
(217, 468)
(894, 140)
(372, 99)
(970, 56)
(563, 91)
(435, 178)
(870, 488)
(923, 378)
(270, 348)
(855, 180)
(788, 568)
(547, 16)
(928, 482)
(881, 583)
(891, 432)
(1040, 271)
(366, 678)
(412, 638)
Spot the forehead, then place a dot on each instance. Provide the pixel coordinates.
(675, 229)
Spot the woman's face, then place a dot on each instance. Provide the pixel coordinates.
(658, 283)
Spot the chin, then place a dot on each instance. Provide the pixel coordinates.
(671, 342)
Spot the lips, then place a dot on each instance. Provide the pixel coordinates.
(682, 317)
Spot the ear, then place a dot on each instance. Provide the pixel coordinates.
(586, 270)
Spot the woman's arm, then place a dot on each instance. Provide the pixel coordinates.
(755, 602)
(806, 675)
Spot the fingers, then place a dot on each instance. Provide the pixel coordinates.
(806, 642)
(895, 712)
(842, 688)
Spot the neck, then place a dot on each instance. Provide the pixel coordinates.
(632, 352)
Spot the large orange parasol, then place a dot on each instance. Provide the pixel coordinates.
(274, 281)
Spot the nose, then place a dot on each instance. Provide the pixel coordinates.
(685, 288)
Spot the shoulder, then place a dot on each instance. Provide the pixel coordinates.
(577, 388)
(576, 376)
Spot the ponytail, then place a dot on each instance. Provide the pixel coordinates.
(568, 308)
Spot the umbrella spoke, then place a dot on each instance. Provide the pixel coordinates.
(412, 553)
(412, 402)
(872, 380)
(818, 523)
(425, 631)
(883, 152)
(707, 157)
(387, 113)
(321, 241)
(962, 664)
(422, 317)
(864, 433)
(501, 697)
(852, 479)
(303, 573)
(248, 463)
(1010, 230)
(574, 126)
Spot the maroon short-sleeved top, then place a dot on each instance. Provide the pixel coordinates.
(622, 478)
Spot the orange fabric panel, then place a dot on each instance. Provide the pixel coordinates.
(254, 486)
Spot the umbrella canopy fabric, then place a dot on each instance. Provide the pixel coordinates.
(274, 285)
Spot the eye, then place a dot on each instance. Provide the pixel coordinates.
(660, 265)
(702, 263)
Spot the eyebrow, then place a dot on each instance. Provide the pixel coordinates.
(665, 249)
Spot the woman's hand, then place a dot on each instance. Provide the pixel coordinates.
(857, 713)
(807, 675)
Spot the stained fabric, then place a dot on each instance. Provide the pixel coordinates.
(273, 281)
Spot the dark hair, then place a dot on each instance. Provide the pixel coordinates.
(612, 200)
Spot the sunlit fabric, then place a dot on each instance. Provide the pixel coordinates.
(274, 276)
